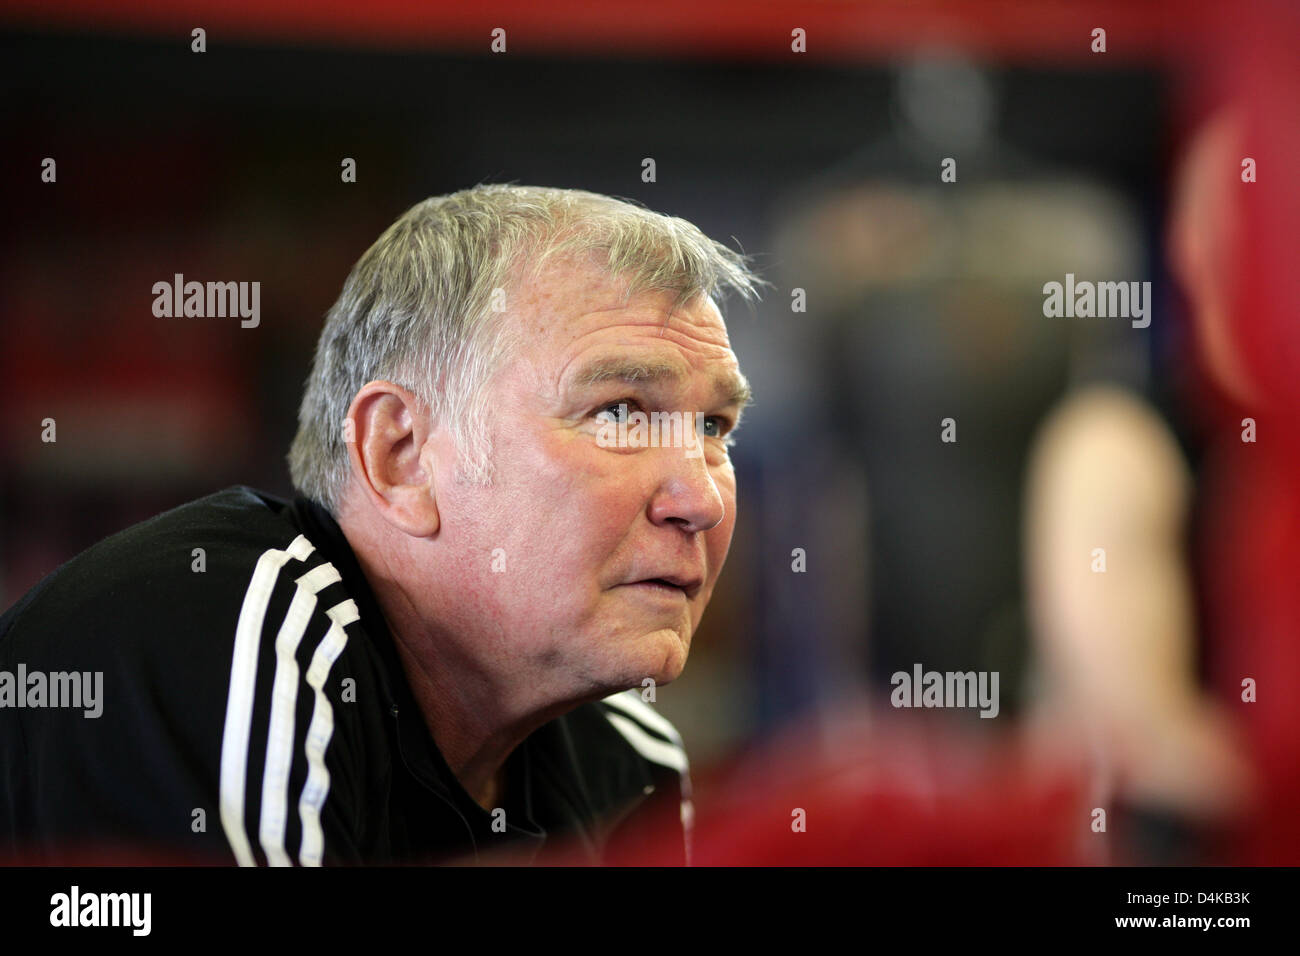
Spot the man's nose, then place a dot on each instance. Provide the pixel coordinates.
(688, 496)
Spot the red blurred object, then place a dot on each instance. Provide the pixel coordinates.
(1003, 29)
(882, 791)
(1248, 68)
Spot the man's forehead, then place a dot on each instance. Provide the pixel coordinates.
(588, 331)
(565, 289)
(575, 297)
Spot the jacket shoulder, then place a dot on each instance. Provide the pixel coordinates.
(220, 637)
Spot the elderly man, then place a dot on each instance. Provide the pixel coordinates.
(442, 649)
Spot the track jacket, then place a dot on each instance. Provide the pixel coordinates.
(217, 685)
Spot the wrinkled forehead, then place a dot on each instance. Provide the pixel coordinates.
(571, 300)
(579, 328)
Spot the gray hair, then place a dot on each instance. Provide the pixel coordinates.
(420, 307)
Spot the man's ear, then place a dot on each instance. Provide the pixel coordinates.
(390, 462)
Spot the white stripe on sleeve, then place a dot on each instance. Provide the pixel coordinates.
(641, 717)
(284, 705)
(319, 732)
(631, 705)
(239, 698)
(652, 748)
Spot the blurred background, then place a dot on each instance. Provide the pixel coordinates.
(900, 301)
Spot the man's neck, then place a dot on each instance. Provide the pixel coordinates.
(476, 717)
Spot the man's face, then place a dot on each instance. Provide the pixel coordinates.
(582, 526)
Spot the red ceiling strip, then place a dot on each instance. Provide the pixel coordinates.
(1022, 30)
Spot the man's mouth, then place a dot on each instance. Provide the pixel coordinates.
(676, 584)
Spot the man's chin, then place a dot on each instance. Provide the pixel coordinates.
(663, 653)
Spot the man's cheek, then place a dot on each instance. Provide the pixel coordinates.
(720, 537)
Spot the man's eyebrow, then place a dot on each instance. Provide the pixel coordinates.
(730, 386)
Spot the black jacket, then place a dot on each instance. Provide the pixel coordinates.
(253, 709)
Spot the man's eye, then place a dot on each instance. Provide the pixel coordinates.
(716, 426)
(615, 412)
